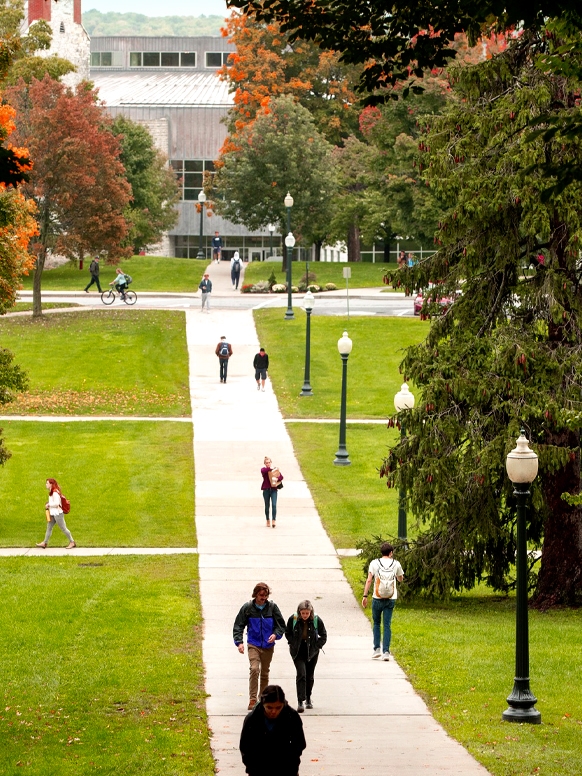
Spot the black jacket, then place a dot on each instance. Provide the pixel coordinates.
(265, 752)
(261, 362)
(315, 639)
(94, 268)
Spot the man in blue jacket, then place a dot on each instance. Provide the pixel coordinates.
(265, 624)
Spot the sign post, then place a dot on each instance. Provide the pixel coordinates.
(347, 275)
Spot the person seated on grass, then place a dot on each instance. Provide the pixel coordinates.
(120, 282)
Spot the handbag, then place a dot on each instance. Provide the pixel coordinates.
(280, 486)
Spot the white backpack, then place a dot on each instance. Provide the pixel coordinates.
(385, 580)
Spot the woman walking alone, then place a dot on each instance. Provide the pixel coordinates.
(270, 492)
(55, 508)
(306, 635)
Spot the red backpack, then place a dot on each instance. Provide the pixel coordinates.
(65, 504)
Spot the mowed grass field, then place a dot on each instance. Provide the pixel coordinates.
(364, 274)
(102, 667)
(126, 362)
(149, 273)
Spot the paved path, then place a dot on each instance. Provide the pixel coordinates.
(367, 718)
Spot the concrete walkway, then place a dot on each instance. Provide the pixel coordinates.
(367, 718)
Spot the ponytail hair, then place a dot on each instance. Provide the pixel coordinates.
(54, 486)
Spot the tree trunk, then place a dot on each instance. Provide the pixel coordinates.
(354, 243)
(36, 284)
(317, 247)
(560, 575)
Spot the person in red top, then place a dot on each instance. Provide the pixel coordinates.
(269, 492)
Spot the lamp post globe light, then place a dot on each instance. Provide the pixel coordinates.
(289, 245)
(344, 346)
(403, 400)
(522, 469)
(201, 201)
(271, 228)
(308, 302)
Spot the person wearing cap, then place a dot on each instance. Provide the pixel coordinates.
(261, 364)
(94, 272)
(224, 352)
(206, 287)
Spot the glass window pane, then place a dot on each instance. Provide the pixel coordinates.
(95, 59)
(191, 193)
(225, 57)
(170, 59)
(151, 58)
(193, 165)
(213, 59)
(188, 59)
(177, 165)
(209, 165)
(106, 59)
(193, 179)
(135, 58)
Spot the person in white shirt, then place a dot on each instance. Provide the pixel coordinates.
(55, 508)
(235, 268)
(383, 572)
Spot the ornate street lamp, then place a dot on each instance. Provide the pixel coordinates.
(308, 302)
(271, 228)
(290, 244)
(201, 201)
(289, 204)
(344, 345)
(403, 400)
(522, 469)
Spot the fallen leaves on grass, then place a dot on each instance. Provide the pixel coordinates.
(138, 401)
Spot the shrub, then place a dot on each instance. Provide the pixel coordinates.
(314, 288)
(330, 287)
(262, 287)
(272, 279)
(310, 277)
(278, 288)
(294, 289)
(246, 289)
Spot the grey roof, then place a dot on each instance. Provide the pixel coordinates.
(124, 88)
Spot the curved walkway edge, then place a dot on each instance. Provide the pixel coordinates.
(367, 717)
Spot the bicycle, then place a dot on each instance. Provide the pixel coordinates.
(108, 297)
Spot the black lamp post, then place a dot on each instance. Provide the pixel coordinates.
(403, 400)
(344, 345)
(201, 201)
(289, 243)
(271, 228)
(522, 468)
(308, 302)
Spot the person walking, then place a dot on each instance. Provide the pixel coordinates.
(270, 487)
(272, 738)
(306, 635)
(216, 247)
(55, 515)
(94, 272)
(383, 572)
(264, 624)
(261, 364)
(235, 268)
(205, 286)
(224, 352)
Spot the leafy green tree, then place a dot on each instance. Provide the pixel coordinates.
(508, 352)
(151, 211)
(280, 151)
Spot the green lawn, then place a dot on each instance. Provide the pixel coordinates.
(126, 362)
(373, 375)
(364, 275)
(149, 273)
(130, 484)
(101, 667)
(25, 307)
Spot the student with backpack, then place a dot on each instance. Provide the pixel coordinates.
(306, 635)
(235, 268)
(56, 508)
(224, 352)
(383, 572)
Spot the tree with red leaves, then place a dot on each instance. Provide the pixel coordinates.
(77, 182)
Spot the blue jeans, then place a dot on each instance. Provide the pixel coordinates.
(270, 496)
(382, 609)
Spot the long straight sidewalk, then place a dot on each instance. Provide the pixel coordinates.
(367, 718)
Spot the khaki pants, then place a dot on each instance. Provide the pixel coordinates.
(259, 663)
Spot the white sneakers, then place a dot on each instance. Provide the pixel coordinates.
(386, 656)
(377, 653)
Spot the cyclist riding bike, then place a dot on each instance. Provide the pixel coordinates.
(120, 282)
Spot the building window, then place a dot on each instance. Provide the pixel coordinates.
(62, 27)
(170, 59)
(217, 58)
(163, 59)
(190, 175)
(107, 59)
(135, 58)
(151, 58)
(188, 59)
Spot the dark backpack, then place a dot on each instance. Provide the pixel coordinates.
(128, 279)
(236, 264)
(223, 349)
(65, 504)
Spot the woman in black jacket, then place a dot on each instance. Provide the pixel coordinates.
(272, 739)
(306, 635)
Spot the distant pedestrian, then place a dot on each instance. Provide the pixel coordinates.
(224, 352)
(272, 739)
(261, 364)
(306, 635)
(54, 507)
(216, 247)
(235, 268)
(94, 272)
(383, 573)
(206, 287)
(264, 624)
(272, 483)
(402, 259)
(410, 259)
